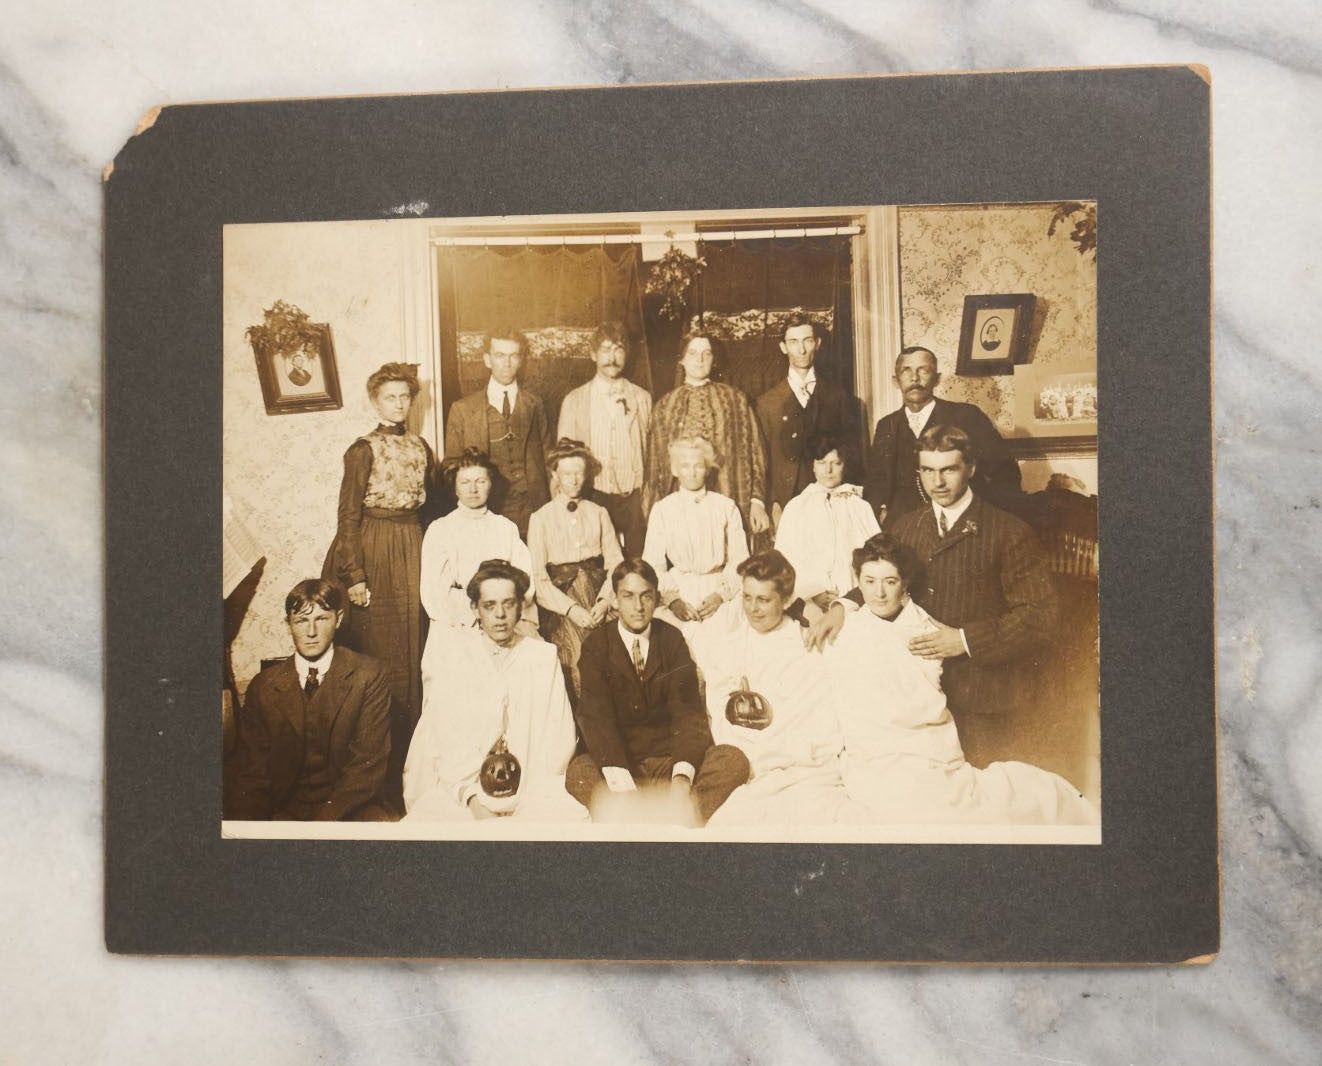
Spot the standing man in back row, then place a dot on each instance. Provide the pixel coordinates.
(893, 487)
(611, 415)
(509, 424)
(799, 408)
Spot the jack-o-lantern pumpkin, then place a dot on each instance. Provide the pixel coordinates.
(500, 773)
(747, 708)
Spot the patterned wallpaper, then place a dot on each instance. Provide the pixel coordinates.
(282, 472)
(947, 253)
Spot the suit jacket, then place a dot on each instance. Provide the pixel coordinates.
(466, 427)
(988, 576)
(576, 417)
(892, 478)
(623, 718)
(576, 411)
(790, 428)
(354, 697)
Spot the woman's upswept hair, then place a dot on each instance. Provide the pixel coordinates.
(699, 444)
(471, 457)
(770, 566)
(884, 548)
(388, 372)
(565, 448)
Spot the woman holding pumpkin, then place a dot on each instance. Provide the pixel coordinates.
(771, 698)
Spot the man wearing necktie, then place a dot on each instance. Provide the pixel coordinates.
(892, 486)
(613, 415)
(988, 588)
(797, 409)
(509, 424)
(642, 722)
(314, 731)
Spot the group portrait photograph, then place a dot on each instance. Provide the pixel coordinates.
(768, 524)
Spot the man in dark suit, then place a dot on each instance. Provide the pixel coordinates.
(509, 424)
(892, 486)
(314, 732)
(793, 412)
(988, 588)
(641, 719)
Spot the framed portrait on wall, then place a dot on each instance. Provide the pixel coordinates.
(295, 362)
(994, 336)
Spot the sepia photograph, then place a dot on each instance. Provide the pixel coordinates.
(701, 526)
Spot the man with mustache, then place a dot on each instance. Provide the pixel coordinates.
(611, 415)
(893, 487)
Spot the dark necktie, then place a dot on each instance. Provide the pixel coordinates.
(505, 404)
(941, 523)
(311, 685)
(638, 661)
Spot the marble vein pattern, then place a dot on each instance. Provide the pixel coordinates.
(73, 81)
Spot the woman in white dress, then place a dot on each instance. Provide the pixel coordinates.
(902, 756)
(821, 527)
(457, 544)
(772, 699)
(695, 540)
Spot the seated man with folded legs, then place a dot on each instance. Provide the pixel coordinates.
(642, 720)
(496, 732)
(770, 697)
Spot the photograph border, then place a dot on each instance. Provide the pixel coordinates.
(1149, 893)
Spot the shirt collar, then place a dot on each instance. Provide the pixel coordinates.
(605, 387)
(629, 636)
(843, 489)
(800, 379)
(495, 391)
(471, 513)
(955, 511)
(698, 496)
(323, 665)
(920, 417)
(696, 384)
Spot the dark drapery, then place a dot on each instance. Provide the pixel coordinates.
(748, 290)
(555, 294)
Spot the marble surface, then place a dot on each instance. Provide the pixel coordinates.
(74, 79)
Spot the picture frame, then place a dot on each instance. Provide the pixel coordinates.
(300, 376)
(994, 336)
(1056, 408)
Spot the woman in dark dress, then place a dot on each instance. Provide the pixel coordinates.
(377, 552)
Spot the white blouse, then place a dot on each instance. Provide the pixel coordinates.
(819, 530)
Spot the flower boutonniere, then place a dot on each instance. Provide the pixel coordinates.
(971, 527)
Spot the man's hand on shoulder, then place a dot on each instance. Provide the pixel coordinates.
(943, 642)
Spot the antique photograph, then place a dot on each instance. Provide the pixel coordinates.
(995, 333)
(700, 526)
(295, 361)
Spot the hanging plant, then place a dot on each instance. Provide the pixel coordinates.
(671, 277)
(1084, 233)
(285, 329)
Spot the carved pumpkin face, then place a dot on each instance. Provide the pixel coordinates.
(500, 773)
(747, 708)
